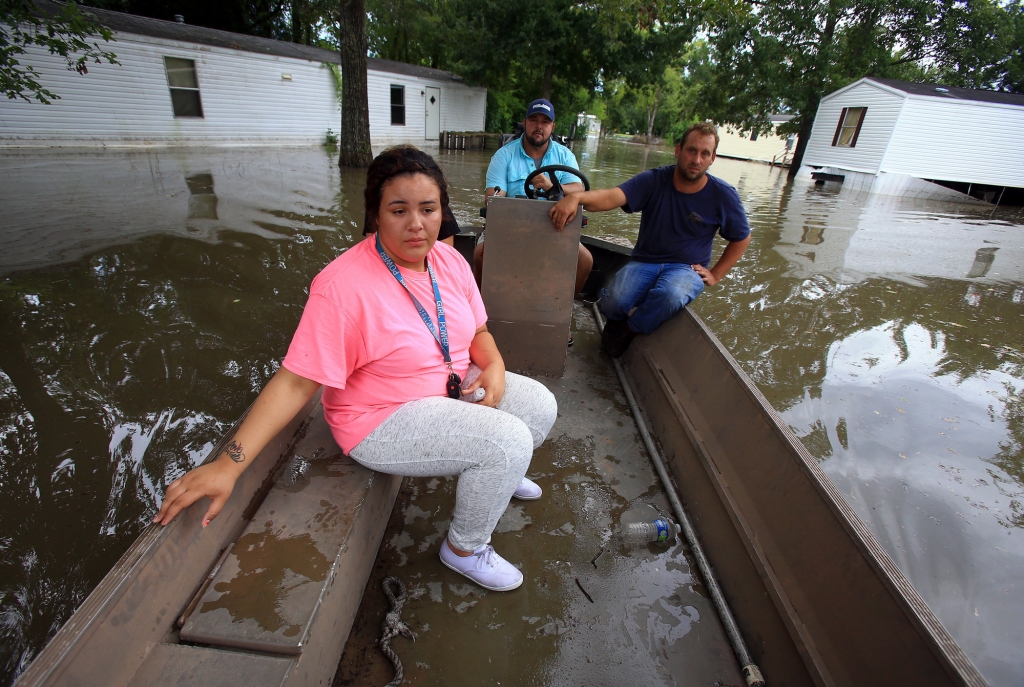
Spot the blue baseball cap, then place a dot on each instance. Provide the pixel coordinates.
(541, 106)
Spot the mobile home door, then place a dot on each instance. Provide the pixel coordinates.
(433, 115)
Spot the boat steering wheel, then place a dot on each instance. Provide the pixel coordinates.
(555, 192)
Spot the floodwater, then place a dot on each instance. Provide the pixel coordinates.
(146, 297)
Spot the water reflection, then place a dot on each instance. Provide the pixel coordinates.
(146, 297)
(895, 238)
(202, 204)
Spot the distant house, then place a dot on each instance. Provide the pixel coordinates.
(770, 148)
(591, 122)
(921, 140)
(186, 85)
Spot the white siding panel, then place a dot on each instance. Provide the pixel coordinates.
(971, 142)
(378, 87)
(463, 108)
(875, 134)
(245, 100)
(736, 144)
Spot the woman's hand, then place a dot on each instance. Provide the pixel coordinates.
(492, 379)
(284, 395)
(214, 480)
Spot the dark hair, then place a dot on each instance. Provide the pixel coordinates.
(395, 162)
(705, 129)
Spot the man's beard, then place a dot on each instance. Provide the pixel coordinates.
(691, 176)
(534, 143)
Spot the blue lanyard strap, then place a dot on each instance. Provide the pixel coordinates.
(441, 340)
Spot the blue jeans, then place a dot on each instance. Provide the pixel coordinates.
(657, 291)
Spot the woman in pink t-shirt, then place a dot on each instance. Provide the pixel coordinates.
(395, 332)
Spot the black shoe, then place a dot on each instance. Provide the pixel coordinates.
(616, 337)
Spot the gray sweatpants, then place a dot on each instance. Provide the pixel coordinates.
(489, 448)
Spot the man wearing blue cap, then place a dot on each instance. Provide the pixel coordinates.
(517, 159)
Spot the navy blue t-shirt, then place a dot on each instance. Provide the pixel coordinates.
(680, 227)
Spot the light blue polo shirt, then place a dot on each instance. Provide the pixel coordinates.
(511, 165)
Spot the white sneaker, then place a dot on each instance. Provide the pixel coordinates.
(528, 490)
(484, 566)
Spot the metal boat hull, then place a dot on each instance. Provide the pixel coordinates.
(818, 600)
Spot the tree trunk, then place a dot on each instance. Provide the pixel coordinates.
(354, 143)
(549, 75)
(296, 31)
(652, 114)
(801, 142)
(809, 110)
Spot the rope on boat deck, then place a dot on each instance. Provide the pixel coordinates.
(751, 673)
(393, 626)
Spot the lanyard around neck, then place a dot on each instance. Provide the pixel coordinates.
(442, 339)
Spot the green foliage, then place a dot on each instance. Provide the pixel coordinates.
(66, 33)
(977, 43)
(667, 106)
(267, 18)
(526, 49)
(504, 109)
(336, 73)
(331, 139)
(412, 31)
(1013, 79)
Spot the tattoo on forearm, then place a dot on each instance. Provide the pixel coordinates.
(235, 453)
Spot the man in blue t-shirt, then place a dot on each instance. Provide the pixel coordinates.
(517, 159)
(683, 208)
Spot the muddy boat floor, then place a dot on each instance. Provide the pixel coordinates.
(650, 621)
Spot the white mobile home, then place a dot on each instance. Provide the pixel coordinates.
(920, 140)
(187, 85)
(771, 148)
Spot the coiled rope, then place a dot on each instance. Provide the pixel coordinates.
(393, 626)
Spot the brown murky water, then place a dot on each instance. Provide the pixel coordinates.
(145, 297)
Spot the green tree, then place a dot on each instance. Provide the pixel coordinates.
(1013, 79)
(412, 31)
(650, 36)
(785, 55)
(977, 43)
(66, 31)
(527, 45)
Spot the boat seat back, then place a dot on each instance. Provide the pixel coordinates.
(529, 275)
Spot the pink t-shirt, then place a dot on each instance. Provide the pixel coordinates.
(362, 338)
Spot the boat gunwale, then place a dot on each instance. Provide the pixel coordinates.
(946, 649)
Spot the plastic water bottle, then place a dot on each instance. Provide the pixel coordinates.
(659, 531)
(474, 397)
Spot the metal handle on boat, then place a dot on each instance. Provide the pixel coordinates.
(751, 673)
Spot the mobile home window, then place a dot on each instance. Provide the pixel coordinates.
(181, 79)
(398, 105)
(848, 130)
